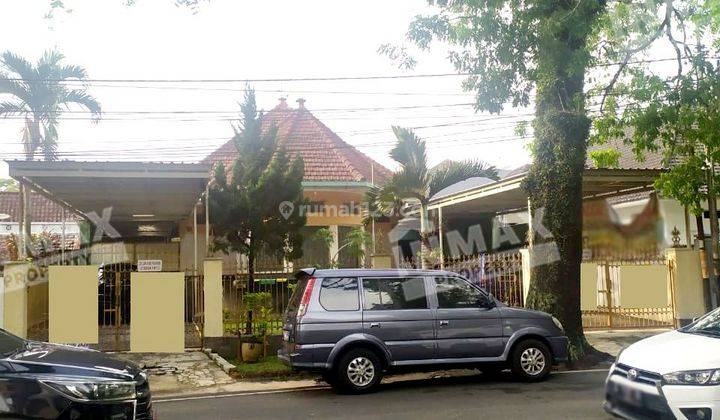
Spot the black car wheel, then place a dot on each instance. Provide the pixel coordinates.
(359, 371)
(531, 361)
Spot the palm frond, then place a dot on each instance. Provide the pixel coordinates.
(15, 88)
(409, 151)
(80, 97)
(455, 172)
(17, 64)
(48, 144)
(70, 72)
(11, 109)
(382, 201)
(48, 64)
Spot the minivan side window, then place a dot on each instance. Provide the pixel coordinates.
(453, 292)
(339, 294)
(394, 293)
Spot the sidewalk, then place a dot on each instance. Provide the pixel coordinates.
(177, 373)
(194, 373)
(613, 341)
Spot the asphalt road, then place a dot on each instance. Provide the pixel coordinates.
(572, 395)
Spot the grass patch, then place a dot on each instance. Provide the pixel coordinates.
(266, 368)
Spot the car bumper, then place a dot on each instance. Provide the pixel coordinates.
(634, 400)
(299, 357)
(559, 348)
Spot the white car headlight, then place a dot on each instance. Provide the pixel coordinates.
(693, 377)
(558, 323)
(89, 390)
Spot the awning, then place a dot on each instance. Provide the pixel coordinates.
(507, 195)
(133, 191)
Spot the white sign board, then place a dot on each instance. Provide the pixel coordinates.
(149, 265)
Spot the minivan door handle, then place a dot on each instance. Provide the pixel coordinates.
(374, 325)
(444, 323)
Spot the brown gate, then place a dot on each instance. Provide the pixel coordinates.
(114, 306)
(499, 273)
(621, 285)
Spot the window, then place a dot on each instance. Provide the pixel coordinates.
(453, 292)
(394, 293)
(339, 294)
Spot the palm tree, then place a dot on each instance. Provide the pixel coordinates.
(40, 94)
(415, 183)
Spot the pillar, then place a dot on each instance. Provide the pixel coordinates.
(15, 297)
(213, 298)
(686, 284)
(335, 245)
(526, 273)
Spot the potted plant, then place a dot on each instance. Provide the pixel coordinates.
(254, 344)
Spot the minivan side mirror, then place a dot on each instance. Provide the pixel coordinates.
(485, 301)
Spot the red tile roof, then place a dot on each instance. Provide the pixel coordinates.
(326, 156)
(42, 209)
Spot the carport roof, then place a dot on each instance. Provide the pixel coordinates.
(135, 191)
(507, 194)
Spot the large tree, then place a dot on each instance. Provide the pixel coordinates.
(415, 183)
(39, 94)
(256, 209)
(514, 51)
(674, 110)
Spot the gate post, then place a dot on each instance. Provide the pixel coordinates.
(213, 298)
(526, 273)
(15, 299)
(687, 283)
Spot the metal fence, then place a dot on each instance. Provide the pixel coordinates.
(235, 311)
(499, 273)
(611, 314)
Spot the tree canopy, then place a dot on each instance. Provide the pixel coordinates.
(257, 207)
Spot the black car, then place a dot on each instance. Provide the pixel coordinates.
(49, 381)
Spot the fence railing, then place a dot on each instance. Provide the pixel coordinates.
(618, 318)
(499, 273)
(235, 311)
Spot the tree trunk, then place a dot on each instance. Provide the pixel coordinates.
(424, 237)
(554, 182)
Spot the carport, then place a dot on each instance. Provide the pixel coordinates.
(506, 196)
(121, 199)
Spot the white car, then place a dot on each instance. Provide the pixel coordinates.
(675, 375)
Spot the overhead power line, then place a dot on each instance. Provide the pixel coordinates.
(319, 79)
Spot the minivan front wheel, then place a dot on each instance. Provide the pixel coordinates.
(359, 371)
(531, 361)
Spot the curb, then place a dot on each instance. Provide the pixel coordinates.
(226, 366)
(163, 398)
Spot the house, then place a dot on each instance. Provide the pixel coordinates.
(51, 222)
(336, 178)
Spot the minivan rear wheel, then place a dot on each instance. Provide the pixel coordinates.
(531, 361)
(359, 371)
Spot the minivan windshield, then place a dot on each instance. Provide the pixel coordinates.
(707, 325)
(9, 343)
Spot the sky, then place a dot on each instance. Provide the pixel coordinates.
(270, 39)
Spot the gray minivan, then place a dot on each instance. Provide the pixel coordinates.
(355, 325)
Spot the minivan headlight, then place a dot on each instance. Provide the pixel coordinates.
(87, 390)
(558, 323)
(693, 377)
